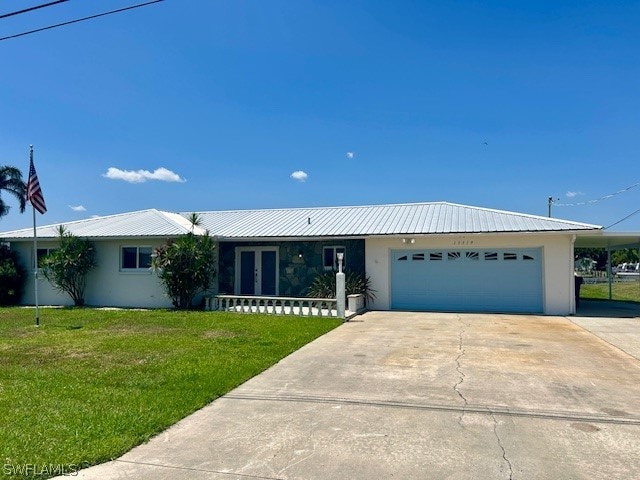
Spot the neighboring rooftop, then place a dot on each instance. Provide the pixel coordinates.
(356, 221)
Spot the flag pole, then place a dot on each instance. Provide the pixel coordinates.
(35, 250)
(35, 266)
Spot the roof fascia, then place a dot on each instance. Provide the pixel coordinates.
(393, 235)
(93, 239)
(289, 239)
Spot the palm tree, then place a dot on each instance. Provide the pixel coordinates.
(11, 181)
(194, 220)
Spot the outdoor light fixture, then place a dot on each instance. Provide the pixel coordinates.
(300, 254)
(409, 240)
(340, 258)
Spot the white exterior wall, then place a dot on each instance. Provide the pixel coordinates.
(557, 266)
(107, 285)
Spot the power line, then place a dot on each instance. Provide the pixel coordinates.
(598, 199)
(30, 9)
(622, 220)
(81, 19)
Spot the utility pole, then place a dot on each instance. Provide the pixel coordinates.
(550, 202)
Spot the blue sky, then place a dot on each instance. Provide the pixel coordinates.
(206, 105)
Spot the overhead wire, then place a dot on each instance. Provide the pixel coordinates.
(623, 219)
(588, 202)
(81, 19)
(605, 197)
(30, 9)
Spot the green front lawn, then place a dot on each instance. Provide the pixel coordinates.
(627, 291)
(88, 385)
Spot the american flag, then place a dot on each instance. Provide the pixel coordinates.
(34, 192)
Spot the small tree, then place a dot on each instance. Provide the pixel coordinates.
(67, 267)
(12, 277)
(186, 267)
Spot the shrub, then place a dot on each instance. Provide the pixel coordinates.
(12, 277)
(186, 267)
(324, 285)
(67, 267)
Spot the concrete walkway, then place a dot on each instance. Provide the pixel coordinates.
(421, 395)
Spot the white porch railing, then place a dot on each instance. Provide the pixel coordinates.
(305, 307)
(355, 303)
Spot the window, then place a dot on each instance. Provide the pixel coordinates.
(435, 256)
(510, 256)
(330, 257)
(453, 256)
(135, 258)
(402, 258)
(43, 253)
(417, 256)
(491, 256)
(473, 255)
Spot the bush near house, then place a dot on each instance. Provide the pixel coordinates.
(324, 285)
(12, 277)
(186, 267)
(67, 267)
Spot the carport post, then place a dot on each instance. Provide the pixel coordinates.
(340, 288)
(609, 270)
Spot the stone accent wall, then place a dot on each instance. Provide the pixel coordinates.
(296, 274)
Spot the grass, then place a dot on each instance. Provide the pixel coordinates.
(626, 291)
(88, 385)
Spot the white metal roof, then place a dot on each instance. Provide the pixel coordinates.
(360, 221)
(143, 223)
(372, 220)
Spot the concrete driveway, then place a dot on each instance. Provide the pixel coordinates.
(422, 395)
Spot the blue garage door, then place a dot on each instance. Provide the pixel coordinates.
(507, 280)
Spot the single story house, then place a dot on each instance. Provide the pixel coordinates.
(422, 256)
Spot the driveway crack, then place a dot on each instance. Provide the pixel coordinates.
(456, 387)
(504, 452)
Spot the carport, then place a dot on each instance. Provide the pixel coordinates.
(609, 241)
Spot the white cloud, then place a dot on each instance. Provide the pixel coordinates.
(350, 155)
(77, 208)
(574, 194)
(139, 176)
(300, 176)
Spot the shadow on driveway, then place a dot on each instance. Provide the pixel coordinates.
(608, 308)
